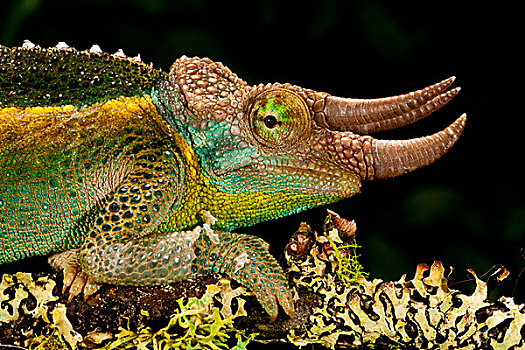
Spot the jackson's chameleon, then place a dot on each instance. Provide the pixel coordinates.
(120, 164)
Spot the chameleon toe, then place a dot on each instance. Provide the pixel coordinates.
(286, 301)
(77, 286)
(70, 273)
(270, 305)
(90, 288)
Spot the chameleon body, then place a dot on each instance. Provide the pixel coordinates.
(106, 155)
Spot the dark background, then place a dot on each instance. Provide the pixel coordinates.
(466, 210)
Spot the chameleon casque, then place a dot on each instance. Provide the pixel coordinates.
(120, 164)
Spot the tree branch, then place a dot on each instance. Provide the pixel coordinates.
(336, 306)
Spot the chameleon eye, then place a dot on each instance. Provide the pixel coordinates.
(279, 119)
(270, 121)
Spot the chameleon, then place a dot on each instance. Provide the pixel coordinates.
(131, 175)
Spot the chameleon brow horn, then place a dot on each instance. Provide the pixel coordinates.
(390, 158)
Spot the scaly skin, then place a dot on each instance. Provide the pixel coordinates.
(104, 154)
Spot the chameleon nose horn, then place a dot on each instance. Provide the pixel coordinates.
(396, 157)
(364, 116)
(389, 158)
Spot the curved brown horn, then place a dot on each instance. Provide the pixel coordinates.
(393, 158)
(365, 116)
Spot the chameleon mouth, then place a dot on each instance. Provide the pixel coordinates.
(309, 177)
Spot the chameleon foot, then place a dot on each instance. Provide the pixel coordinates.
(246, 259)
(269, 296)
(74, 278)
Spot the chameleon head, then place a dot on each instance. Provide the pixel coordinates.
(266, 136)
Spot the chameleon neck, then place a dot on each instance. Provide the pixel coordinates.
(231, 209)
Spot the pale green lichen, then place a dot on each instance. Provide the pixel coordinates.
(422, 312)
(341, 234)
(336, 306)
(55, 330)
(23, 285)
(349, 269)
(52, 341)
(196, 325)
(226, 297)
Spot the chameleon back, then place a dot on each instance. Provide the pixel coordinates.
(64, 128)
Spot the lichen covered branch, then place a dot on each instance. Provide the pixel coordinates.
(337, 306)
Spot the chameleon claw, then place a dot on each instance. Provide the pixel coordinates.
(74, 278)
(270, 298)
(70, 272)
(270, 301)
(81, 283)
(270, 305)
(90, 288)
(77, 286)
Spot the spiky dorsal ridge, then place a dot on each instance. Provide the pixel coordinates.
(94, 50)
(61, 75)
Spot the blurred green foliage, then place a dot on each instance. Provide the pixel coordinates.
(429, 206)
(15, 17)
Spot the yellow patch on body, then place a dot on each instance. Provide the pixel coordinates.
(231, 209)
(53, 126)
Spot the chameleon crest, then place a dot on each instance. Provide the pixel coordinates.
(116, 165)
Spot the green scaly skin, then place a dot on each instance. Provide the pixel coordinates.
(107, 155)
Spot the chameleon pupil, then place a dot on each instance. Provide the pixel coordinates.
(270, 121)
